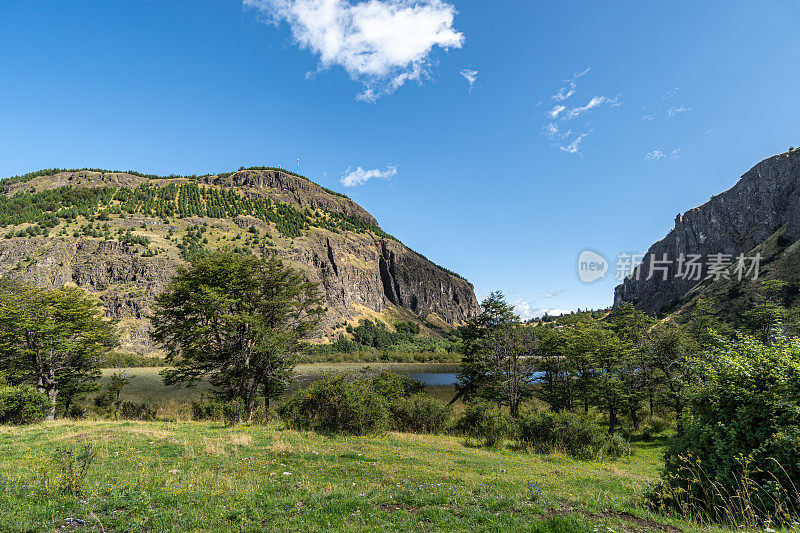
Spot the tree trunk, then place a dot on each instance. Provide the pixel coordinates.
(679, 415)
(612, 421)
(52, 393)
(635, 419)
(251, 401)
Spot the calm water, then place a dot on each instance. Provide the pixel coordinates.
(445, 379)
(435, 379)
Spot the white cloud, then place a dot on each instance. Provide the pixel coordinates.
(550, 129)
(552, 294)
(359, 176)
(470, 76)
(595, 102)
(556, 111)
(552, 312)
(524, 310)
(675, 111)
(575, 146)
(582, 73)
(565, 92)
(658, 155)
(569, 140)
(380, 43)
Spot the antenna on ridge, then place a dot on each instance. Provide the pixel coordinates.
(298, 165)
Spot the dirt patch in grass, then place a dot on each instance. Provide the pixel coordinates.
(638, 524)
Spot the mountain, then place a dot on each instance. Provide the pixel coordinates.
(758, 215)
(122, 235)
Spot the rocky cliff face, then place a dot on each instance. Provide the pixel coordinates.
(765, 199)
(361, 273)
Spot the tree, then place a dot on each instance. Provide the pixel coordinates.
(632, 328)
(674, 357)
(238, 321)
(765, 320)
(496, 363)
(555, 379)
(53, 338)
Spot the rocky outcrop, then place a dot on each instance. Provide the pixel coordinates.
(765, 199)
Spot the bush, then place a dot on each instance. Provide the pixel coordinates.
(393, 387)
(234, 412)
(737, 459)
(615, 446)
(337, 403)
(22, 405)
(419, 414)
(137, 411)
(485, 423)
(570, 433)
(207, 410)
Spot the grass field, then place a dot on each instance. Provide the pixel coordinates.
(191, 476)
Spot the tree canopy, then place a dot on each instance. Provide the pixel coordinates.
(238, 321)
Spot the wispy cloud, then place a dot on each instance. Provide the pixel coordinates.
(471, 76)
(380, 43)
(675, 111)
(565, 92)
(658, 109)
(550, 129)
(582, 73)
(575, 146)
(557, 109)
(658, 155)
(552, 294)
(359, 176)
(562, 112)
(595, 102)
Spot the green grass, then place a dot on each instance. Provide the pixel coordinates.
(187, 476)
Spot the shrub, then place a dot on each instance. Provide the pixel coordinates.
(570, 433)
(393, 387)
(207, 410)
(137, 411)
(737, 458)
(419, 414)
(485, 423)
(74, 466)
(22, 405)
(337, 403)
(234, 412)
(615, 446)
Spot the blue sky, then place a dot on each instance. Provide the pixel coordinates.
(668, 103)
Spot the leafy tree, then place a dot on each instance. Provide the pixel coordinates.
(496, 363)
(674, 356)
(632, 328)
(53, 338)
(767, 316)
(238, 321)
(555, 378)
(110, 398)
